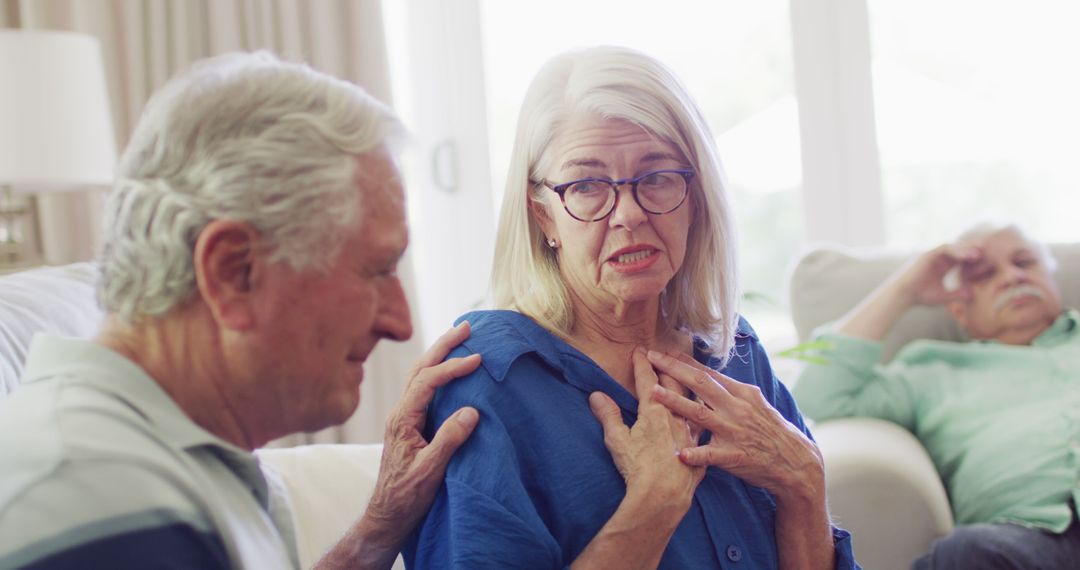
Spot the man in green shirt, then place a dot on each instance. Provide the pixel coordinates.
(999, 415)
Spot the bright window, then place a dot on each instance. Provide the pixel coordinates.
(978, 110)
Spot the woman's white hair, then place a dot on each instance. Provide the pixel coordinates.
(617, 83)
(243, 137)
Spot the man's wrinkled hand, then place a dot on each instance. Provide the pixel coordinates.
(412, 468)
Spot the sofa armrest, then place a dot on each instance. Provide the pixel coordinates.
(328, 486)
(884, 489)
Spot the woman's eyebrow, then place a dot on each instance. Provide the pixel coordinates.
(586, 162)
(659, 157)
(597, 163)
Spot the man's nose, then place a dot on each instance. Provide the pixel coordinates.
(1014, 274)
(393, 320)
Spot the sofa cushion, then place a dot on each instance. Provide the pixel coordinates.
(828, 280)
(55, 300)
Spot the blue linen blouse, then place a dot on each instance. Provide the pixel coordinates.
(534, 483)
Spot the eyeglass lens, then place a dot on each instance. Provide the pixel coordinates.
(657, 193)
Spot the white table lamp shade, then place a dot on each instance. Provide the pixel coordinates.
(55, 126)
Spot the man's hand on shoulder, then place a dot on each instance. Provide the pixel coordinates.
(412, 468)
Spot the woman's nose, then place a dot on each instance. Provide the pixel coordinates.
(628, 213)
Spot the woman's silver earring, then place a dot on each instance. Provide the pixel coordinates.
(552, 243)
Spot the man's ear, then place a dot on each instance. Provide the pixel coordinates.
(225, 262)
(958, 310)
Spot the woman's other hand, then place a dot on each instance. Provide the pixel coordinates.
(750, 439)
(753, 442)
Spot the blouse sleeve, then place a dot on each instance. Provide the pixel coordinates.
(483, 517)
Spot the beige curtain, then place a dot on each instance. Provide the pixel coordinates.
(144, 42)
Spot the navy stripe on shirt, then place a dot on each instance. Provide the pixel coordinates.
(171, 547)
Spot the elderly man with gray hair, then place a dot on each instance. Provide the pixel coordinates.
(249, 269)
(1000, 415)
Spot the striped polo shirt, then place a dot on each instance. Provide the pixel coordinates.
(99, 468)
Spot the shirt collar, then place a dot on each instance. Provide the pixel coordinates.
(1063, 329)
(502, 337)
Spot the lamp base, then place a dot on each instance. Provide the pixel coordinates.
(15, 252)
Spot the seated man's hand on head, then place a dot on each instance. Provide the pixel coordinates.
(920, 282)
(924, 279)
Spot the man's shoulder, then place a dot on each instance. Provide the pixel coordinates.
(54, 434)
(75, 497)
(62, 417)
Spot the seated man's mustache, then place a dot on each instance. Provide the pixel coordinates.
(1008, 295)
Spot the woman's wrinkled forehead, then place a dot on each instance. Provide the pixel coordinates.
(576, 128)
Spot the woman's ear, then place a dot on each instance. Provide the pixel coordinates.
(542, 215)
(225, 264)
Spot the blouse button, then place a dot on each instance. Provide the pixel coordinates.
(734, 554)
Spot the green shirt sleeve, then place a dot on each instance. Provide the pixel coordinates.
(851, 382)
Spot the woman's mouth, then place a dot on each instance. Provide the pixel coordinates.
(634, 260)
(632, 257)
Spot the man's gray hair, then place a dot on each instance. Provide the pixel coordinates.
(243, 137)
(986, 228)
(609, 82)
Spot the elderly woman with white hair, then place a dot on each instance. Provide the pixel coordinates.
(615, 283)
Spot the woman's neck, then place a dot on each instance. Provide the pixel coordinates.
(609, 335)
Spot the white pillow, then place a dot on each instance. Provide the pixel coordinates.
(55, 300)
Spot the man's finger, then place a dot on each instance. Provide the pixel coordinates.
(437, 352)
(450, 436)
(421, 388)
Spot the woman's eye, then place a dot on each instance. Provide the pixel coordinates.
(587, 187)
(657, 179)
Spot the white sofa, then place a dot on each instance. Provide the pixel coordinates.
(881, 483)
(328, 485)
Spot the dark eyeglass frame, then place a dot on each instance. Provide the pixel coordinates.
(560, 189)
